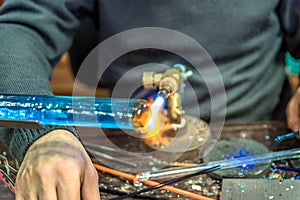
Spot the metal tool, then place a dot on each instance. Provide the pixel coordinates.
(131, 177)
(169, 84)
(8, 174)
(224, 164)
(160, 135)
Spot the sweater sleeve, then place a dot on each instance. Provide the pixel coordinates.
(33, 36)
(289, 12)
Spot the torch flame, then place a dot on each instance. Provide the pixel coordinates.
(154, 125)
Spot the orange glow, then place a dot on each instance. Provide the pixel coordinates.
(154, 124)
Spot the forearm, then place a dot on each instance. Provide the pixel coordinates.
(33, 35)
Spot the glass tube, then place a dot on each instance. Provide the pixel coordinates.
(223, 164)
(125, 113)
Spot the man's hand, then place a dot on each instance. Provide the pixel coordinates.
(292, 112)
(56, 166)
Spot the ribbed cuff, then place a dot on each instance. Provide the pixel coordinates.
(292, 65)
(23, 138)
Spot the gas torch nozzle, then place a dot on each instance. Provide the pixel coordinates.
(171, 81)
(168, 84)
(163, 94)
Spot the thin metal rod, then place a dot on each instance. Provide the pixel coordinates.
(224, 164)
(151, 183)
(114, 159)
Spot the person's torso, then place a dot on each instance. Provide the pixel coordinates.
(243, 38)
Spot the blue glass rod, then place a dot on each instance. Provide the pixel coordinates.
(286, 136)
(124, 113)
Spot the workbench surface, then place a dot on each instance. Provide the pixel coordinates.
(263, 132)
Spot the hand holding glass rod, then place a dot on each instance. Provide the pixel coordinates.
(23, 110)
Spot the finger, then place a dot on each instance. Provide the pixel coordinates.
(20, 196)
(89, 188)
(292, 114)
(68, 187)
(26, 195)
(24, 189)
(48, 193)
